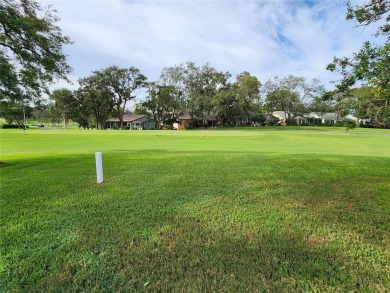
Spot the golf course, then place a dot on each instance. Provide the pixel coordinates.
(254, 209)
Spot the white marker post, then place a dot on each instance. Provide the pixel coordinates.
(99, 167)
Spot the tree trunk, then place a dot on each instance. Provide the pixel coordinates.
(336, 116)
(65, 119)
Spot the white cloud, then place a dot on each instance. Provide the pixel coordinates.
(266, 38)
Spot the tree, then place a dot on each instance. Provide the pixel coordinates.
(54, 117)
(122, 83)
(63, 100)
(290, 94)
(369, 13)
(209, 82)
(160, 103)
(14, 112)
(370, 66)
(224, 105)
(81, 110)
(31, 46)
(283, 100)
(194, 87)
(186, 78)
(237, 99)
(247, 90)
(320, 105)
(174, 77)
(94, 96)
(41, 111)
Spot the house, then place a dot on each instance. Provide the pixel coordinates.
(281, 115)
(358, 120)
(210, 120)
(323, 118)
(133, 122)
(185, 121)
(245, 118)
(313, 118)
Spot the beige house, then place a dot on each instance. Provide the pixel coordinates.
(323, 118)
(313, 118)
(184, 121)
(281, 115)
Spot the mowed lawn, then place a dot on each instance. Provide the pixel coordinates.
(278, 209)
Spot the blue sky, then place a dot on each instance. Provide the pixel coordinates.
(265, 38)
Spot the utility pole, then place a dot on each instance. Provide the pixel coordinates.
(24, 121)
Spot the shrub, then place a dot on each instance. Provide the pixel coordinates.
(167, 127)
(350, 124)
(260, 118)
(9, 126)
(290, 122)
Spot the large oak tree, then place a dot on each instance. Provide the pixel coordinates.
(31, 50)
(123, 84)
(370, 66)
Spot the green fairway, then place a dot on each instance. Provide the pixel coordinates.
(244, 209)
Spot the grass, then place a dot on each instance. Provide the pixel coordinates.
(270, 209)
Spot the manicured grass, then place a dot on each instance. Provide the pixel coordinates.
(266, 209)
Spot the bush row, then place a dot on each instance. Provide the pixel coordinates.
(5, 126)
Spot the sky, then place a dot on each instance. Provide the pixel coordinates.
(265, 38)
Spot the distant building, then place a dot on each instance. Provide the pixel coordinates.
(313, 118)
(281, 115)
(323, 118)
(133, 122)
(357, 120)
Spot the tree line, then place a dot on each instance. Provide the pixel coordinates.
(186, 89)
(31, 58)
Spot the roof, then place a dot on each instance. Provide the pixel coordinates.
(326, 116)
(187, 116)
(329, 116)
(279, 114)
(210, 117)
(314, 115)
(128, 118)
(184, 116)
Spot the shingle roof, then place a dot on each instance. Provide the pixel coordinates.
(325, 116)
(128, 118)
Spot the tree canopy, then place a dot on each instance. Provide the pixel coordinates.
(31, 50)
(95, 98)
(122, 84)
(370, 12)
(63, 102)
(290, 94)
(370, 66)
(237, 99)
(160, 103)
